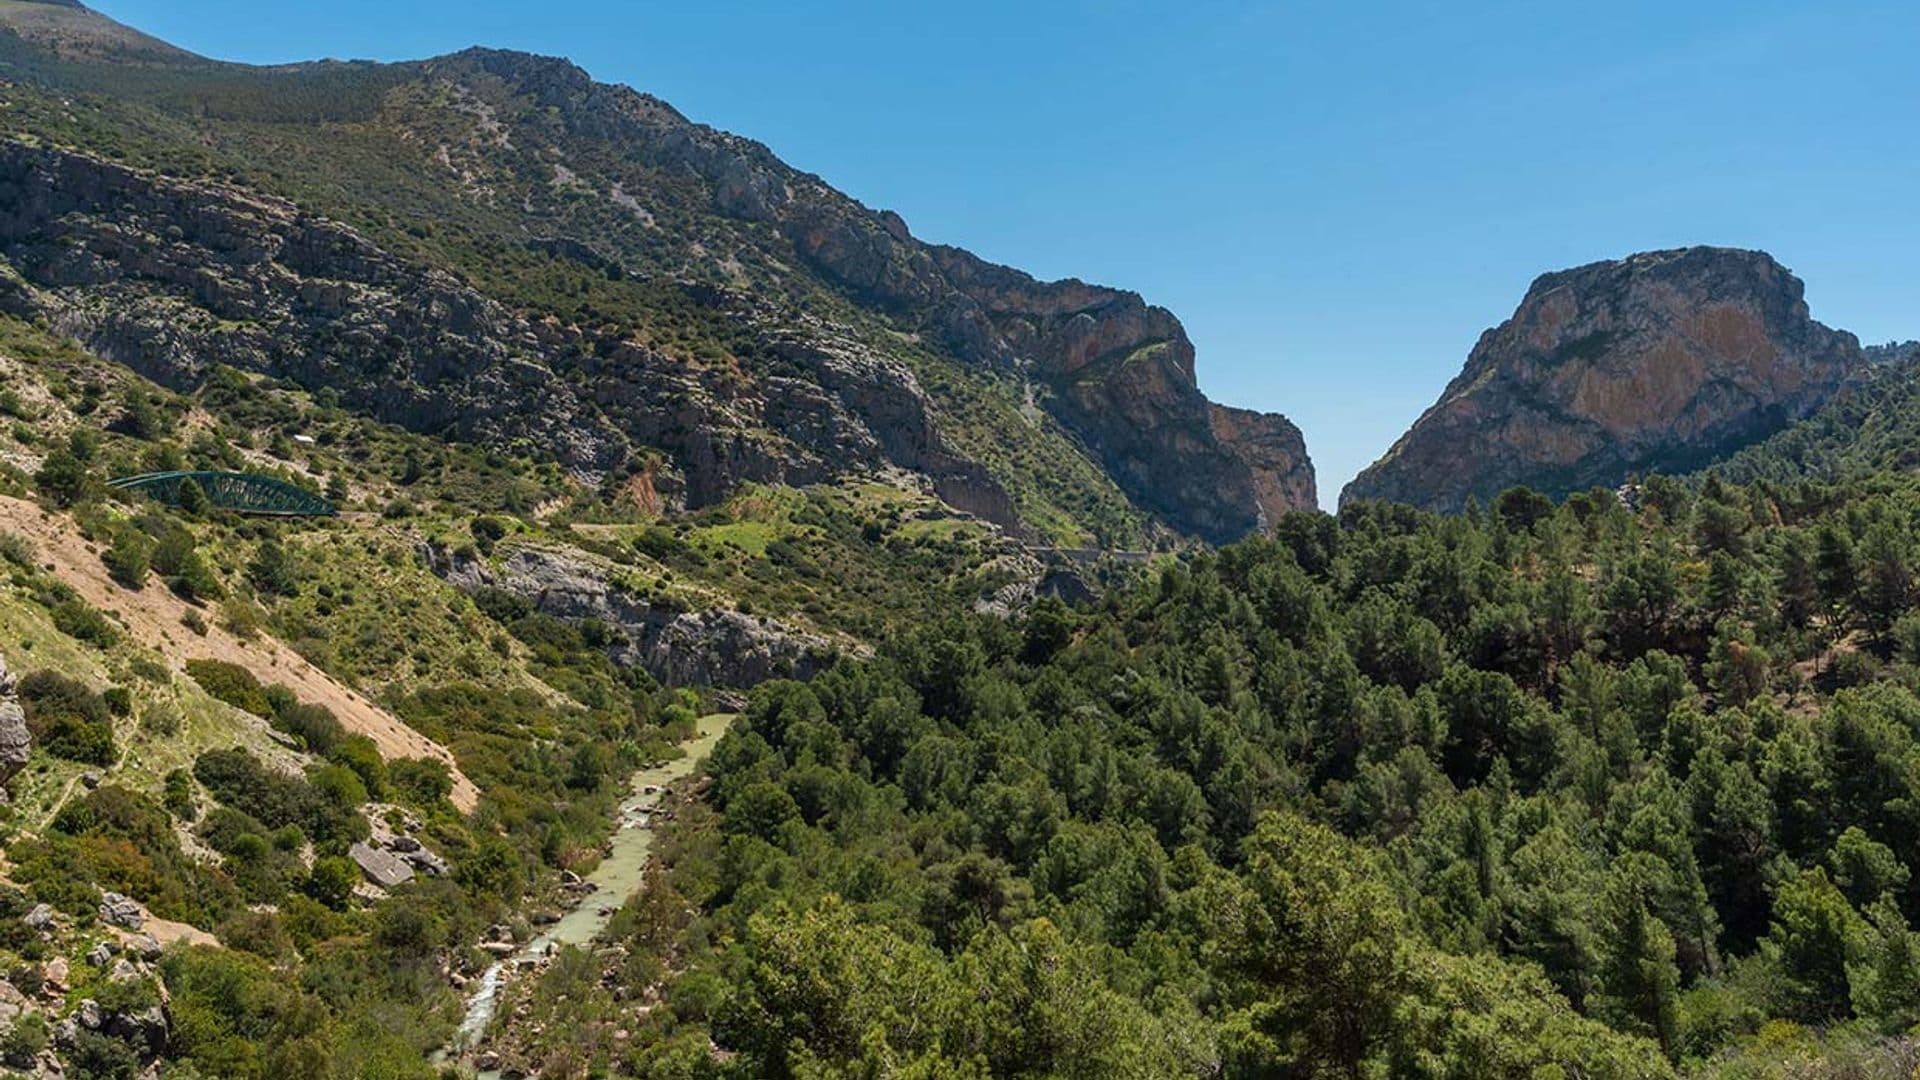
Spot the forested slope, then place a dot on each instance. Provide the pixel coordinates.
(1575, 791)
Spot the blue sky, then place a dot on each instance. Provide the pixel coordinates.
(1336, 198)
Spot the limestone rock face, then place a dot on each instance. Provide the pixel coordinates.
(1665, 361)
(16, 742)
(678, 647)
(381, 867)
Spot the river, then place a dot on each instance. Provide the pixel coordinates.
(615, 879)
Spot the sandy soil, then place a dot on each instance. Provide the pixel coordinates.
(153, 615)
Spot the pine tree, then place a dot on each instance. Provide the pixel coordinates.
(1639, 981)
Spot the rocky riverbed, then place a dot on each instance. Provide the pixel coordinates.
(594, 899)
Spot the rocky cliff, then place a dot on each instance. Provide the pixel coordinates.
(1663, 361)
(174, 276)
(1118, 372)
(16, 742)
(548, 264)
(679, 647)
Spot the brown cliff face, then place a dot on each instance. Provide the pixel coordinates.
(1660, 362)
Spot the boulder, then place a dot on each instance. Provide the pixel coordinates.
(146, 1029)
(16, 742)
(383, 868)
(40, 918)
(426, 862)
(121, 911)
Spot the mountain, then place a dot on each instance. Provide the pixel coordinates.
(1663, 361)
(492, 246)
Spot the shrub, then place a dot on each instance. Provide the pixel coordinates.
(358, 752)
(313, 725)
(232, 684)
(17, 550)
(488, 531)
(239, 780)
(67, 718)
(129, 560)
(62, 478)
(81, 621)
(177, 795)
(332, 881)
(421, 781)
(271, 571)
(178, 560)
(193, 499)
(24, 1041)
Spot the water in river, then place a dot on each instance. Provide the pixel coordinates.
(617, 876)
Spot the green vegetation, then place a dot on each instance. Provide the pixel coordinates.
(1576, 790)
(67, 718)
(1586, 790)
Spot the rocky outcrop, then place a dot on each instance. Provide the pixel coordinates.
(1120, 374)
(1660, 362)
(381, 867)
(677, 646)
(121, 911)
(16, 742)
(1893, 352)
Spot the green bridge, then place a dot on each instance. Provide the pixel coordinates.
(245, 493)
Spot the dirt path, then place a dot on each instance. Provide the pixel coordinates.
(153, 614)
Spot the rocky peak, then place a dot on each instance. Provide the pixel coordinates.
(1662, 361)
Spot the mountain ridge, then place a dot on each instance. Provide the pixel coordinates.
(617, 182)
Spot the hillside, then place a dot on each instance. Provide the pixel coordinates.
(1872, 428)
(491, 245)
(754, 643)
(231, 721)
(1588, 790)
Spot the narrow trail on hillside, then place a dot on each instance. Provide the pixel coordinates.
(152, 615)
(616, 878)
